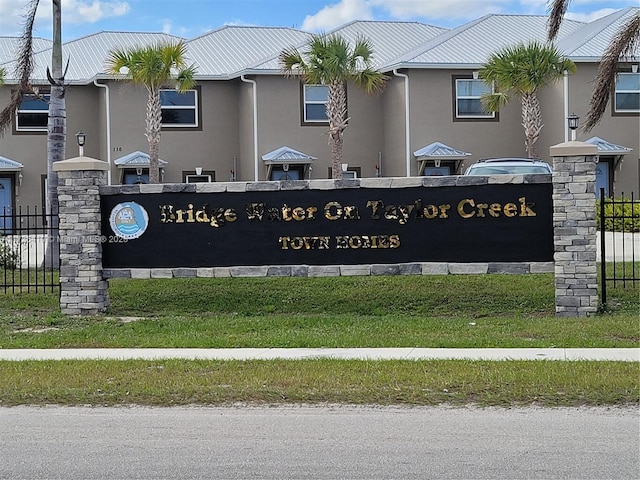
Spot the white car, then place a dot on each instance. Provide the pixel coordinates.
(508, 166)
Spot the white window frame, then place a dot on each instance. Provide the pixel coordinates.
(617, 91)
(45, 98)
(471, 97)
(193, 107)
(306, 102)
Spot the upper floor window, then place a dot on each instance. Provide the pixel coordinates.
(627, 95)
(179, 109)
(467, 101)
(315, 98)
(33, 113)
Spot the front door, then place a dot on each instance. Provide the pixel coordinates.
(6, 204)
(602, 178)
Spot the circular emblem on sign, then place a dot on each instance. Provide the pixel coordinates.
(129, 220)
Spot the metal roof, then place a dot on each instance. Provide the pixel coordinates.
(7, 164)
(388, 40)
(606, 147)
(87, 55)
(592, 39)
(474, 42)
(136, 159)
(9, 47)
(286, 154)
(439, 150)
(232, 49)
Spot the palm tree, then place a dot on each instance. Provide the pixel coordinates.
(330, 61)
(154, 67)
(623, 45)
(57, 117)
(522, 70)
(3, 73)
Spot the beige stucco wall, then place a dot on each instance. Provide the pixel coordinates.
(279, 124)
(621, 130)
(377, 127)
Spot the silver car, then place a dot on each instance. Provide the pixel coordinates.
(508, 166)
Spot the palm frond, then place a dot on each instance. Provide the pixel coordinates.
(556, 14)
(24, 68)
(623, 46)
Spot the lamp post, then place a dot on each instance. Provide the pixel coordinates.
(80, 138)
(574, 122)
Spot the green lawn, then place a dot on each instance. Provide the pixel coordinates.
(406, 311)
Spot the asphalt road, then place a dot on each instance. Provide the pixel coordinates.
(318, 443)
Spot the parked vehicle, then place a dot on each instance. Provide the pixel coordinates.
(508, 166)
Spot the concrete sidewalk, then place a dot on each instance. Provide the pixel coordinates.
(410, 353)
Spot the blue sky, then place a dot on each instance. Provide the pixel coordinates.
(190, 18)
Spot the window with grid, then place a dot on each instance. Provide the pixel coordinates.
(315, 98)
(179, 109)
(468, 93)
(627, 95)
(33, 113)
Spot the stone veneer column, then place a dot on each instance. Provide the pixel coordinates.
(574, 228)
(83, 291)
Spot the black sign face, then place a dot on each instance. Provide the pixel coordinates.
(490, 223)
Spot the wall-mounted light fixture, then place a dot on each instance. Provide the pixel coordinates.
(574, 121)
(20, 179)
(198, 170)
(345, 167)
(475, 74)
(437, 162)
(634, 68)
(81, 138)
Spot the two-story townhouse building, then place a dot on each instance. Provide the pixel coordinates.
(245, 121)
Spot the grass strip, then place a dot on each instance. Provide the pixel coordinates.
(316, 331)
(397, 382)
(453, 311)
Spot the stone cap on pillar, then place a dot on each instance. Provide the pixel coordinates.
(79, 163)
(573, 149)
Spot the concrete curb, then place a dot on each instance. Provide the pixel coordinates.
(571, 354)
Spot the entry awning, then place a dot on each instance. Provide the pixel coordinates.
(286, 156)
(437, 152)
(136, 159)
(606, 148)
(8, 165)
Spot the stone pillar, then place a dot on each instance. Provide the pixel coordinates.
(574, 228)
(83, 291)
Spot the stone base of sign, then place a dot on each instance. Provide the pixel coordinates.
(83, 288)
(574, 224)
(428, 268)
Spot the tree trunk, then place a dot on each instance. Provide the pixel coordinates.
(336, 111)
(154, 125)
(56, 138)
(532, 122)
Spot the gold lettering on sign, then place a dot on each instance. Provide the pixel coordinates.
(367, 241)
(468, 208)
(308, 243)
(526, 209)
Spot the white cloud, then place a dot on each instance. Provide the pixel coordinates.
(442, 9)
(80, 11)
(12, 13)
(591, 16)
(337, 14)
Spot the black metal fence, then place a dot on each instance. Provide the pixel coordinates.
(27, 261)
(620, 235)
